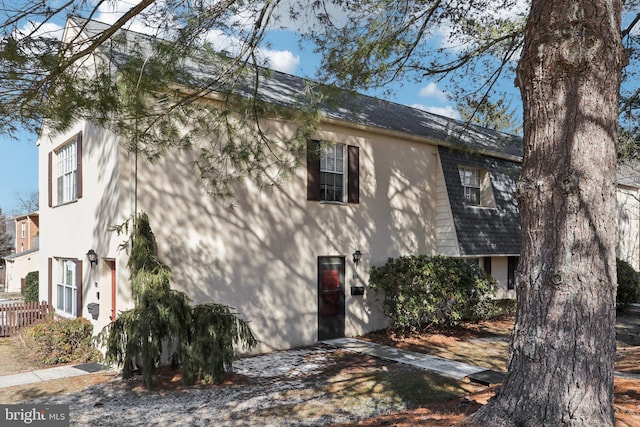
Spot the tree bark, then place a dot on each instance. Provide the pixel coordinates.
(560, 370)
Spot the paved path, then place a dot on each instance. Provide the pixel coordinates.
(439, 365)
(49, 374)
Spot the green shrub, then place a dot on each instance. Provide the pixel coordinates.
(202, 337)
(31, 288)
(64, 340)
(628, 285)
(421, 291)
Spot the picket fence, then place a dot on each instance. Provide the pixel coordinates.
(17, 315)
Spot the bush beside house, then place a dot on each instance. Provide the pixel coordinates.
(421, 291)
(202, 336)
(628, 285)
(63, 341)
(31, 287)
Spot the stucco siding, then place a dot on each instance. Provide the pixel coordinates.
(69, 230)
(17, 269)
(258, 253)
(628, 247)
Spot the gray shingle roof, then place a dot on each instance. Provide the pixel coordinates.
(480, 231)
(483, 231)
(288, 90)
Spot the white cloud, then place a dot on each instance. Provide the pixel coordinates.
(281, 60)
(37, 29)
(447, 111)
(432, 91)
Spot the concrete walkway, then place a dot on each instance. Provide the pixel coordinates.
(439, 365)
(49, 374)
(446, 367)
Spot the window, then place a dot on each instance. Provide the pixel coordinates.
(476, 187)
(65, 168)
(471, 185)
(332, 177)
(67, 163)
(23, 230)
(333, 172)
(66, 288)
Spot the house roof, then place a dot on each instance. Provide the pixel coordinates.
(21, 254)
(480, 231)
(288, 90)
(483, 231)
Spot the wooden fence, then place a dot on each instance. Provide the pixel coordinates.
(17, 315)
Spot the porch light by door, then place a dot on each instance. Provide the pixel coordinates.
(356, 257)
(93, 257)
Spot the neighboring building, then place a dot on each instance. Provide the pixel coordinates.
(391, 180)
(25, 259)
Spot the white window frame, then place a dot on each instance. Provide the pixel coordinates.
(23, 230)
(471, 179)
(333, 172)
(67, 288)
(67, 172)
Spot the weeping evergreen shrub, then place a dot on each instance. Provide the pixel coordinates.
(202, 336)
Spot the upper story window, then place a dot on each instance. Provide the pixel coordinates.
(332, 177)
(23, 230)
(65, 170)
(476, 186)
(333, 172)
(470, 178)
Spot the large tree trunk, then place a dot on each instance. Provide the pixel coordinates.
(563, 346)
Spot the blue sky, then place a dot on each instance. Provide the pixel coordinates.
(18, 170)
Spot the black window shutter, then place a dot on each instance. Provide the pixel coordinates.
(313, 170)
(353, 177)
(79, 288)
(79, 166)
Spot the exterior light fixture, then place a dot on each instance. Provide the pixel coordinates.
(93, 257)
(356, 257)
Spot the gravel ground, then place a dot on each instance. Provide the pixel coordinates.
(283, 389)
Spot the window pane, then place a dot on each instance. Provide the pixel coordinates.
(68, 300)
(470, 179)
(67, 163)
(60, 297)
(332, 172)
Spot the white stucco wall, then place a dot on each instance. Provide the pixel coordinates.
(17, 269)
(260, 255)
(70, 230)
(628, 246)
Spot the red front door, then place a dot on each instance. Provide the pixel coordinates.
(331, 305)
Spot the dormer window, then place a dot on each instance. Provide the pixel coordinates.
(476, 187)
(470, 178)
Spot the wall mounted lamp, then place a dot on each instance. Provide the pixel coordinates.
(356, 257)
(93, 257)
